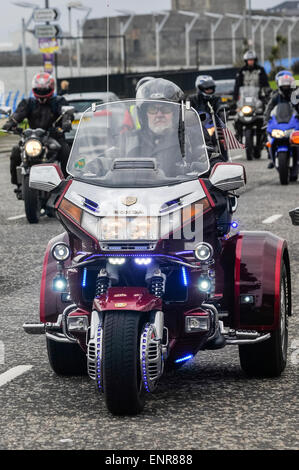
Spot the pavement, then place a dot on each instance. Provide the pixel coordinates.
(6, 142)
(208, 404)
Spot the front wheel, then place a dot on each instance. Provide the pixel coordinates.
(268, 359)
(249, 144)
(122, 381)
(283, 167)
(31, 202)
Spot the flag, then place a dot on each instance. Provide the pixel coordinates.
(230, 140)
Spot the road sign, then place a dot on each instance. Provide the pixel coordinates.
(44, 15)
(47, 31)
(48, 45)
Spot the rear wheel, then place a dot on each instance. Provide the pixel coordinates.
(66, 358)
(249, 144)
(283, 167)
(31, 202)
(268, 359)
(122, 381)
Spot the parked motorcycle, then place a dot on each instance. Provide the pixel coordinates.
(249, 121)
(36, 146)
(283, 141)
(148, 271)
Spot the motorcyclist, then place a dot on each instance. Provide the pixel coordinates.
(206, 87)
(42, 110)
(286, 86)
(276, 97)
(157, 125)
(252, 74)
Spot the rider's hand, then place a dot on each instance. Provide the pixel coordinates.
(9, 126)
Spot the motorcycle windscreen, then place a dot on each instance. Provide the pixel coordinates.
(249, 95)
(283, 112)
(138, 143)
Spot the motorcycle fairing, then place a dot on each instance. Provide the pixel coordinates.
(127, 298)
(109, 201)
(284, 126)
(50, 302)
(257, 273)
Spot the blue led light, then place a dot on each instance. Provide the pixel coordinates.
(183, 359)
(185, 278)
(234, 225)
(84, 277)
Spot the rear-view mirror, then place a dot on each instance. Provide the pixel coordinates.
(46, 177)
(228, 176)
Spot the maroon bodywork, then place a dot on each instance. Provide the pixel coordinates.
(250, 263)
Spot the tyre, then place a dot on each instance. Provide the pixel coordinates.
(31, 202)
(122, 381)
(268, 359)
(249, 144)
(283, 167)
(257, 153)
(66, 358)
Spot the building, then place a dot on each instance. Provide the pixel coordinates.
(286, 8)
(178, 39)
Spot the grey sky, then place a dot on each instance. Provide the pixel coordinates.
(10, 18)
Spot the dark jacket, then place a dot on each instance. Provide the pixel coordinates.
(40, 115)
(251, 76)
(276, 99)
(200, 104)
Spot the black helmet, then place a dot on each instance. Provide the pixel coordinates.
(142, 81)
(156, 89)
(204, 83)
(160, 89)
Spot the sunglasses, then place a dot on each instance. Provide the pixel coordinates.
(164, 109)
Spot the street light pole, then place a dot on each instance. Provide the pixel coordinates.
(25, 26)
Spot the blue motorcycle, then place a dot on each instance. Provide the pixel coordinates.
(282, 141)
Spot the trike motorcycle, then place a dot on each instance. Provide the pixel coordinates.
(147, 272)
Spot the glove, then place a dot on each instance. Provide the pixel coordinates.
(9, 125)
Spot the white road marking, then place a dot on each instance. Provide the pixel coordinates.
(238, 157)
(16, 217)
(13, 373)
(272, 219)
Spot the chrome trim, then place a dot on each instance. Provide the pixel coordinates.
(65, 314)
(215, 319)
(248, 341)
(175, 261)
(242, 336)
(34, 328)
(58, 337)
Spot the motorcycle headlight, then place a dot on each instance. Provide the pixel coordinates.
(33, 148)
(278, 134)
(247, 110)
(132, 228)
